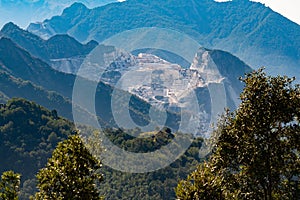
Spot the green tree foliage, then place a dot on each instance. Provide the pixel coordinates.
(147, 186)
(256, 155)
(201, 184)
(152, 185)
(28, 135)
(9, 185)
(71, 173)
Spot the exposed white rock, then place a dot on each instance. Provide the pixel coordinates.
(208, 70)
(67, 65)
(165, 85)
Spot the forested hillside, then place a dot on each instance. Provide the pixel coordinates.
(149, 100)
(29, 133)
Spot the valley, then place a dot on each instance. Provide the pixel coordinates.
(177, 99)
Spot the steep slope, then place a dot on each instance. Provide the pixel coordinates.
(11, 87)
(23, 120)
(247, 29)
(58, 46)
(212, 78)
(218, 65)
(19, 63)
(31, 11)
(209, 66)
(28, 135)
(16, 62)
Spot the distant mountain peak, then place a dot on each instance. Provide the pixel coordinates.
(67, 38)
(9, 27)
(92, 42)
(78, 5)
(60, 37)
(13, 29)
(75, 7)
(58, 46)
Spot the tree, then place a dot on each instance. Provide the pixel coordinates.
(9, 185)
(71, 173)
(202, 184)
(256, 155)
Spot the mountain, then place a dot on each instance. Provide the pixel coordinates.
(29, 133)
(12, 87)
(19, 63)
(209, 66)
(32, 11)
(58, 51)
(58, 46)
(229, 67)
(201, 90)
(249, 30)
(19, 69)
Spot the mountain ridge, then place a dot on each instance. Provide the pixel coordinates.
(16, 63)
(19, 63)
(57, 46)
(253, 32)
(36, 10)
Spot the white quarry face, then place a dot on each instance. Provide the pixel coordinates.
(199, 91)
(163, 84)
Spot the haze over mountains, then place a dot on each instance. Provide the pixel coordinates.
(37, 55)
(58, 46)
(23, 75)
(25, 71)
(42, 64)
(23, 12)
(58, 51)
(252, 35)
(249, 30)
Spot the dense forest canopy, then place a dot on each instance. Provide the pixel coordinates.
(256, 152)
(29, 133)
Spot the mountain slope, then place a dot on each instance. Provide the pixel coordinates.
(247, 29)
(18, 63)
(213, 78)
(28, 135)
(58, 46)
(25, 125)
(13, 87)
(30, 132)
(31, 11)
